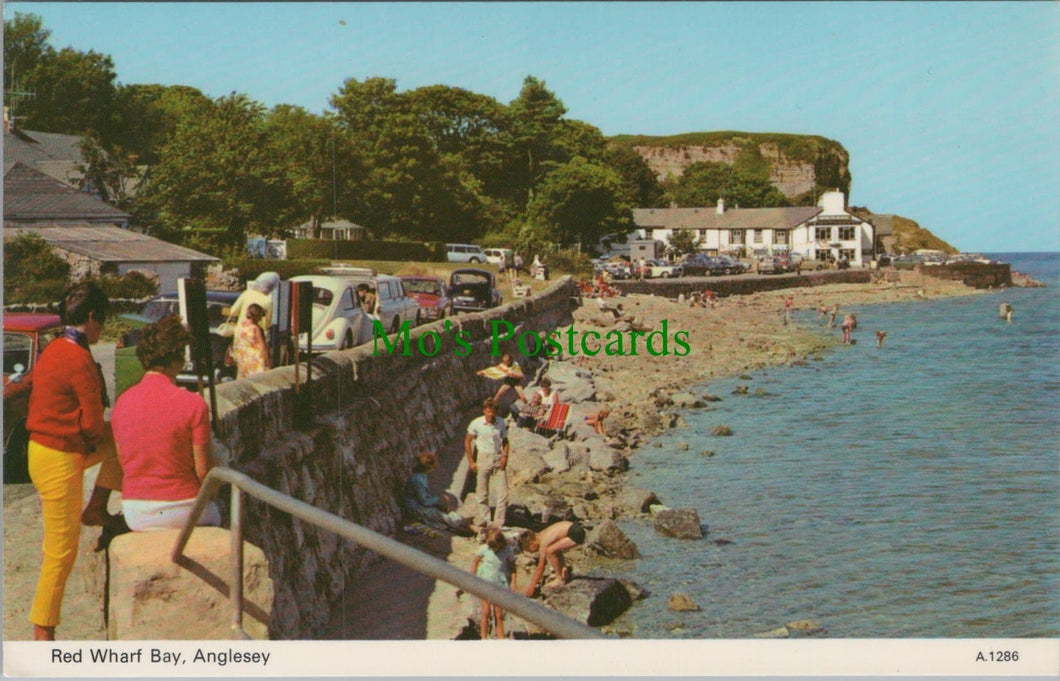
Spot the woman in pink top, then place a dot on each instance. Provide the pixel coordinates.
(162, 433)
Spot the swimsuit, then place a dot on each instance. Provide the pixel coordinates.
(576, 533)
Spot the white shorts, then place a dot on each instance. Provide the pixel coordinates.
(145, 515)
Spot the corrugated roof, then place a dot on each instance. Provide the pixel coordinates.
(109, 244)
(31, 195)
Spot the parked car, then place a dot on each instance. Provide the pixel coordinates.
(217, 303)
(775, 264)
(338, 320)
(493, 255)
(473, 290)
(432, 296)
(663, 269)
(465, 253)
(25, 336)
(395, 305)
(731, 264)
(701, 264)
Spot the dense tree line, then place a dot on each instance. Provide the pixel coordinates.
(435, 163)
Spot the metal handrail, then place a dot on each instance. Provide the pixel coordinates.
(554, 622)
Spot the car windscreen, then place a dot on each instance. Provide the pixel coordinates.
(469, 280)
(156, 309)
(423, 286)
(17, 349)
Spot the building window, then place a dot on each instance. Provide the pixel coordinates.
(756, 235)
(822, 233)
(702, 235)
(780, 236)
(847, 254)
(848, 233)
(649, 232)
(737, 236)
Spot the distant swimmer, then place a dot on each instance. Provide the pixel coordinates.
(1005, 312)
(881, 338)
(850, 322)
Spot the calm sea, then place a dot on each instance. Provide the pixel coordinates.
(905, 491)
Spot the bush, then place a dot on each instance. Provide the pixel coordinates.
(133, 285)
(41, 292)
(29, 262)
(569, 260)
(425, 251)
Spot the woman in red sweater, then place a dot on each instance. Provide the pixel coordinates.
(67, 434)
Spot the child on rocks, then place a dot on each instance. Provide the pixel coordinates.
(549, 544)
(493, 562)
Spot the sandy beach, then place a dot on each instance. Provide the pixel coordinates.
(738, 334)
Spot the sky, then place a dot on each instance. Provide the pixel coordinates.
(950, 111)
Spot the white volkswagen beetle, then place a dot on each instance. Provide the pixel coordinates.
(338, 320)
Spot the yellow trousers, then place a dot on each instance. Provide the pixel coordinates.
(59, 479)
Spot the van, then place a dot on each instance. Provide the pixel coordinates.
(465, 253)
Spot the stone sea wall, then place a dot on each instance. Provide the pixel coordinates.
(345, 441)
(744, 284)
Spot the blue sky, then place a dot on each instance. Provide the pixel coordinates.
(950, 111)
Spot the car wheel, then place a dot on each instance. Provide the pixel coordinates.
(665, 275)
(474, 260)
(347, 341)
(395, 325)
(419, 317)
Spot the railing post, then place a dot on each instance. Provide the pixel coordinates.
(236, 537)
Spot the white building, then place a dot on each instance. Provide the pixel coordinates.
(823, 231)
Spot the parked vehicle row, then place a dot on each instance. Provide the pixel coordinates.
(701, 264)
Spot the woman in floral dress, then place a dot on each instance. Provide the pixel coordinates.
(249, 350)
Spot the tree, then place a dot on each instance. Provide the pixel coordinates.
(639, 182)
(26, 46)
(106, 174)
(319, 165)
(580, 202)
(684, 241)
(534, 117)
(33, 273)
(703, 183)
(217, 181)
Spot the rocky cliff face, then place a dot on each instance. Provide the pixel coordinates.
(797, 164)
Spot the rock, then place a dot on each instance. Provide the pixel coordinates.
(721, 431)
(782, 632)
(636, 500)
(526, 466)
(740, 390)
(707, 453)
(804, 627)
(655, 509)
(681, 447)
(686, 401)
(557, 458)
(680, 602)
(540, 502)
(603, 458)
(595, 602)
(680, 523)
(636, 591)
(707, 397)
(608, 540)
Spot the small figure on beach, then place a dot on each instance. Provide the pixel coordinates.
(517, 262)
(596, 420)
(822, 311)
(549, 544)
(788, 303)
(1005, 312)
(850, 322)
(486, 448)
(832, 315)
(431, 509)
(162, 433)
(494, 562)
(881, 338)
(510, 374)
(502, 264)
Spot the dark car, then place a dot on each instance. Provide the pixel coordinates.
(25, 335)
(732, 265)
(431, 295)
(217, 304)
(700, 265)
(473, 290)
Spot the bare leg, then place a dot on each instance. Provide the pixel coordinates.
(95, 512)
(498, 618)
(43, 633)
(484, 625)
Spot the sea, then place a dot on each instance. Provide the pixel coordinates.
(910, 490)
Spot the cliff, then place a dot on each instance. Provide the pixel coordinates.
(800, 166)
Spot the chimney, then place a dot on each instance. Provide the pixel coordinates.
(721, 206)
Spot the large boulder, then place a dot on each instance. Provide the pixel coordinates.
(636, 500)
(593, 601)
(557, 458)
(608, 540)
(541, 503)
(605, 459)
(526, 466)
(680, 523)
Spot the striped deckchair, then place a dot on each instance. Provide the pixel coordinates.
(556, 421)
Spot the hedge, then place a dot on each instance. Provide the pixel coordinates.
(422, 251)
(250, 268)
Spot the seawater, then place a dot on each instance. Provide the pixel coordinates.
(911, 490)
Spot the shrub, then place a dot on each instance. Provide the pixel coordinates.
(29, 262)
(250, 268)
(426, 251)
(40, 292)
(133, 285)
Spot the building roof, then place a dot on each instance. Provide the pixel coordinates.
(54, 154)
(108, 243)
(735, 218)
(32, 196)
